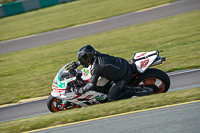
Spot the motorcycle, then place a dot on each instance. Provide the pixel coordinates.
(145, 81)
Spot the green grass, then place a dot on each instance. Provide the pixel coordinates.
(97, 111)
(69, 14)
(6, 1)
(29, 73)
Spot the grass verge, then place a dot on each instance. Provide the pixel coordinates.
(69, 14)
(6, 1)
(96, 111)
(29, 73)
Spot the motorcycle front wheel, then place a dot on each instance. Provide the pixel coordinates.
(155, 79)
(54, 104)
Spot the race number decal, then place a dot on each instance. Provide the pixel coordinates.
(144, 63)
(143, 60)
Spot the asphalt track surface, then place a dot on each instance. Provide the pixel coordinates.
(179, 118)
(179, 80)
(99, 27)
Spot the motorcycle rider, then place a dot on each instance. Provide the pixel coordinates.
(112, 68)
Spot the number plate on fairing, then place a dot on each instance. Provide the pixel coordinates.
(144, 59)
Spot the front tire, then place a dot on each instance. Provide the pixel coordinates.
(156, 79)
(54, 104)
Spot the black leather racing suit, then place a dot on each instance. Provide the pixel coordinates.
(114, 69)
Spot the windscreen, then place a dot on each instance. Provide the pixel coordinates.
(64, 75)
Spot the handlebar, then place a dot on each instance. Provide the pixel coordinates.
(72, 69)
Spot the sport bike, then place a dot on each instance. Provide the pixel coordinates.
(145, 81)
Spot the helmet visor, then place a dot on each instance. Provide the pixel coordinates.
(84, 62)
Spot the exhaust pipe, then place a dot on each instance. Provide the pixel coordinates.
(158, 61)
(163, 59)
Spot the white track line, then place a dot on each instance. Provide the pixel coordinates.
(183, 71)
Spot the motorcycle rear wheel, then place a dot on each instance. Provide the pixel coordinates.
(156, 79)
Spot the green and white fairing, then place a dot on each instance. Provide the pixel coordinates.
(63, 77)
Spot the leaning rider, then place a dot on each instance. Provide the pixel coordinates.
(112, 68)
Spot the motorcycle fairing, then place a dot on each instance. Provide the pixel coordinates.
(63, 77)
(88, 98)
(60, 81)
(87, 75)
(143, 60)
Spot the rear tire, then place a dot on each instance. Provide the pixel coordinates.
(156, 79)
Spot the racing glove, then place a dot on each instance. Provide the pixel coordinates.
(82, 90)
(75, 64)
